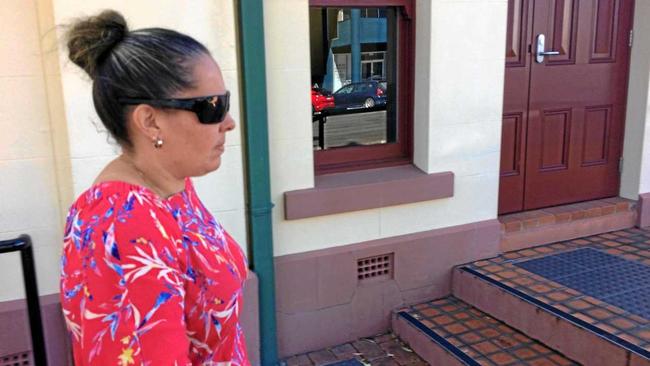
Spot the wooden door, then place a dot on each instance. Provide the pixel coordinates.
(564, 115)
(515, 106)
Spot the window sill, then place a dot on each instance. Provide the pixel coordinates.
(366, 189)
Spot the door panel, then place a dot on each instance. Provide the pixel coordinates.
(511, 141)
(515, 107)
(563, 31)
(555, 140)
(596, 137)
(604, 30)
(572, 105)
(590, 92)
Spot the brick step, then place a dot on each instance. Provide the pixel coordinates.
(548, 225)
(599, 319)
(449, 332)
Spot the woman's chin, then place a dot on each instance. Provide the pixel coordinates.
(214, 165)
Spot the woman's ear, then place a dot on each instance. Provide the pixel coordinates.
(144, 121)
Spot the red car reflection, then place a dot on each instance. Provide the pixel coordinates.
(321, 99)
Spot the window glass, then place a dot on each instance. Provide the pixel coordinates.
(353, 71)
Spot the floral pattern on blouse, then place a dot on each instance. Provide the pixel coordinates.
(150, 281)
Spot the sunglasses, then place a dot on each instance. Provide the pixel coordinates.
(209, 110)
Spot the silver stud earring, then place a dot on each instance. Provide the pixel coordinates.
(158, 143)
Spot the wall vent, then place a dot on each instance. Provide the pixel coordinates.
(17, 359)
(377, 267)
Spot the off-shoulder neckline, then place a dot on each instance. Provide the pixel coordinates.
(117, 183)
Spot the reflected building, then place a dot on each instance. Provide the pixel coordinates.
(350, 46)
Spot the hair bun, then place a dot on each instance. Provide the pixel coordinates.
(91, 39)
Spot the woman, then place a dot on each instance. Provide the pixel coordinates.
(148, 276)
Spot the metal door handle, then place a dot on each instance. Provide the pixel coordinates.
(540, 53)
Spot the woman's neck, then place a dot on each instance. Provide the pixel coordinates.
(153, 175)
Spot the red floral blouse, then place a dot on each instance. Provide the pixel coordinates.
(147, 281)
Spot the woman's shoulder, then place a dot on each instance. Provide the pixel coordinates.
(112, 192)
(118, 202)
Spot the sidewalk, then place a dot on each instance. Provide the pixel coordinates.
(381, 350)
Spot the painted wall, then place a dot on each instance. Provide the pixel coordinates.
(459, 84)
(210, 22)
(53, 145)
(29, 196)
(635, 178)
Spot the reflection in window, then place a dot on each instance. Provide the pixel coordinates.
(353, 69)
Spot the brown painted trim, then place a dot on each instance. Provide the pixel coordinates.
(14, 329)
(366, 189)
(359, 3)
(643, 207)
(382, 155)
(322, 303)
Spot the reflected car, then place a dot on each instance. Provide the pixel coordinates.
(365, 94)
(321, 99)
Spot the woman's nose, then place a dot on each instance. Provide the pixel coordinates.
(228, 124)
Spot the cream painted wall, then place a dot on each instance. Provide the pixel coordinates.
(29, 195)
(210, 22)
(459, 88)
(636, 148)
(459, 99)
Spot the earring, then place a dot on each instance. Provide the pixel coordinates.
(158, 143)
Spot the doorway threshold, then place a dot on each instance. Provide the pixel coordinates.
(547, 225)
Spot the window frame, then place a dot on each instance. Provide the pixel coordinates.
(384, 155)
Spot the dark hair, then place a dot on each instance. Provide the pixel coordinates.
(146, 63)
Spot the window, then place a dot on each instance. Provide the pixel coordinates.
(372, 66)
(362, 83)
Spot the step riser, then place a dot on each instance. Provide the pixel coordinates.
(573, 341)
(571, 230)
(422, 345)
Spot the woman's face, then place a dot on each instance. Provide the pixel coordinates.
(190, 147)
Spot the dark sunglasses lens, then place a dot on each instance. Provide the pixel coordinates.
(210, 112)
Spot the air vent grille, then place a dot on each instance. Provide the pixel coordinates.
(17, 359)
(377, 267)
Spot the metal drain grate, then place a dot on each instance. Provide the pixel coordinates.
(350, 362)
(377, 267)
(17, 359)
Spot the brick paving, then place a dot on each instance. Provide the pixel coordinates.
(481, 337)
(381, 350)
(631, 244)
